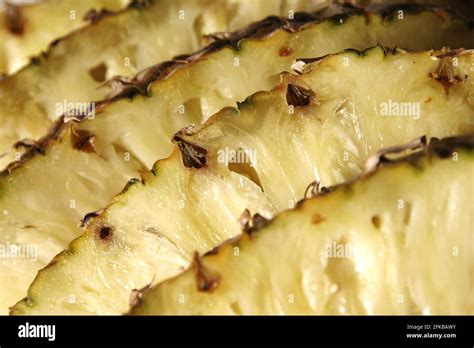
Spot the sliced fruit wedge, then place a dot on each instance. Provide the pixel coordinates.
(398, 240)
(26, 28)
(320, 127)
(72, 72)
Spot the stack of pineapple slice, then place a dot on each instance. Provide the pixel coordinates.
(321, 162)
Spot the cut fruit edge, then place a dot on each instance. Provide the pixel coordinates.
(213, 283)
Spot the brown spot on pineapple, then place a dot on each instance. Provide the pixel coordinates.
(444, 73)
(83, 140)
(206, 281)
(98, 72)
(317, 219)
(85, 220)
(193, 155)
(258, 221)
(376, 221)
(14, 19)
(250, 224)
(137, 294)
(105, 233)
(285, 51)
(314, 189)
(298, 96)
(130, 183)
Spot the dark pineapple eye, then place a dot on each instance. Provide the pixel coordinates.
(105, 233)
(298, 96)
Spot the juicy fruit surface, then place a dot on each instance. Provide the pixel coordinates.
(63, 78)
(397, 242)
(284, 148)
(127, 136)
(349, 116)
(72, 73)
(152, 243)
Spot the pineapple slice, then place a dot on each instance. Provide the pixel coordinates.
(86, 164)
(72, 72)
(319, 126)
(27, 28)
(396, 241)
